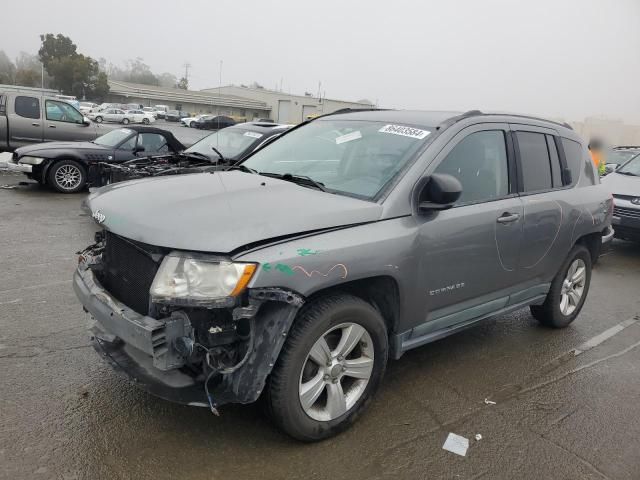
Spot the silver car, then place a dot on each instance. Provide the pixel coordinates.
(624, 184)
(113, 115)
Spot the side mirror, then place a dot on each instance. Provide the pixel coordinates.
(439, 192)
(138, 149)
(86, 122)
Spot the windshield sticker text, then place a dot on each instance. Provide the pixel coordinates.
(252, 134)
(405, 131)
(348, 137)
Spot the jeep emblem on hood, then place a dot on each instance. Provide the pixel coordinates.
(98, 216)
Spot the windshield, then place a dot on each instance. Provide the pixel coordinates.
(230, 142)
(356, 158)
(114, 137)
(631, 168)
(619, 157)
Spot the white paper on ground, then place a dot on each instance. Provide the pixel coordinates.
(456, 444)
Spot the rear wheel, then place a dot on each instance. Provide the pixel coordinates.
(125, 121)
(99, 119)
(67, 176)
(192, 125)
(568, 290)
(329, 368)
(145, 121)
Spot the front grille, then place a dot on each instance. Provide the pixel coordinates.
(128, 272)
(626, 212)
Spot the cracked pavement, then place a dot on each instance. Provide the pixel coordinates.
(65, 414)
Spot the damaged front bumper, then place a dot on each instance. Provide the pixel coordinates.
(144, 349)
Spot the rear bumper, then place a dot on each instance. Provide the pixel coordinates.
(607, 237)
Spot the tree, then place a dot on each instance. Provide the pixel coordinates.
(72, 72)
(28, 78)
(7, 69)
(167, 80)
(139, 72)
(183, 83)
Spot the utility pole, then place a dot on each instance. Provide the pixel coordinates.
(186, 66)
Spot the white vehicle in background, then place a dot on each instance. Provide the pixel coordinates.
(140, 116)
(114, 115)
(151, 111)
(191, 121)
(88, 107)
(162, 110)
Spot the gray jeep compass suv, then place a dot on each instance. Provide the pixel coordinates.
(296, 274)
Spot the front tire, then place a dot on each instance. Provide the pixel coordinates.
(67, 176)
(568, 291)
(329, 368)
(145, 121)
(125, 121)
(99, 119)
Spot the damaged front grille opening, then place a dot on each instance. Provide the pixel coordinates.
(205, 343)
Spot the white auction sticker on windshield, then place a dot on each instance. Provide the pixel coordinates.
(348, 137)
(405, 131)
(252, 134)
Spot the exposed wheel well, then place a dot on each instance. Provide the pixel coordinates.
(593, 242)
(382, 292)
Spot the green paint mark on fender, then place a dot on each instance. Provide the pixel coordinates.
(286, 269)
(303, 252)
(266, 267)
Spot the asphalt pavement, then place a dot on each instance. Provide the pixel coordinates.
(548, 404)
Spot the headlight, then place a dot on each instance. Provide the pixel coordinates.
(198, 280)
(31, 160)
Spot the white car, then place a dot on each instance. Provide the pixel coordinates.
(190, 121)
(111, 115)
(140, 116)
(151, 111)
(88, 107)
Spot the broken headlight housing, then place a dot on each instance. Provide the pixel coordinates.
(199, 280)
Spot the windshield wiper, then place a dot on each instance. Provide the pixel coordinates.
(297, 179)
(631, 174)
(222, 159)
(197, 154)
(241, 167)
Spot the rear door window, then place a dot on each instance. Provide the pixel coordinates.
(28, 107)
(534, 161)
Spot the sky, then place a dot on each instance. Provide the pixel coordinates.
(566, 59)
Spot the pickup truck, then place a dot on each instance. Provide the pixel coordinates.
(28, 117)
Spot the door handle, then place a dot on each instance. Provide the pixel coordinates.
(52, 126)
(508, 217)
(35, 124)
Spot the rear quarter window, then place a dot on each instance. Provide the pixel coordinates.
(578, 160)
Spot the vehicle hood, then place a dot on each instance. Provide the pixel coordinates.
(222, 211)
(622, 184)
(43, 149)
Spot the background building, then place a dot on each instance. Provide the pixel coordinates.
(286, 108)
(190, 101)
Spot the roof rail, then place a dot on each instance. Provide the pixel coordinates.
(622, 147)
(450, 121)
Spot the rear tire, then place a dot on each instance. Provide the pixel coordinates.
(145, 121)
(99, 119)
(67, 176)
(192, 125)
(568, 291)
(125, 121)
(344, 379)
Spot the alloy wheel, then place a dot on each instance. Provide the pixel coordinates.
(336, 371)
(573, 287)
(68, 177)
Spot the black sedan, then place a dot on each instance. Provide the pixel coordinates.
(217, 122)
(71, 166)
(220, 150)
(175, 115)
